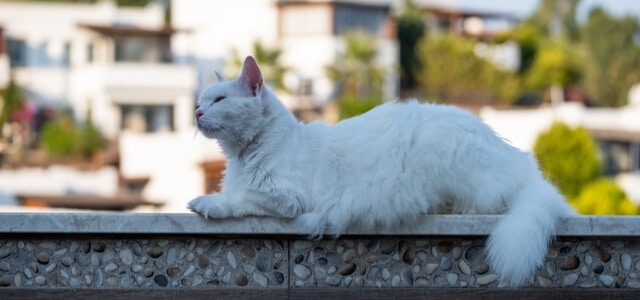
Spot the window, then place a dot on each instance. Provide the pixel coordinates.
(142, 49)
(66, 54)
(350, 18)
(305, 20)
(17, 52)
(90, 53)
(146, 118)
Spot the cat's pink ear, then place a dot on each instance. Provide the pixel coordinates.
(251, 75)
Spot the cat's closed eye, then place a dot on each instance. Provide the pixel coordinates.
(218, 99)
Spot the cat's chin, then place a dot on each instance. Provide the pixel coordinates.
(209, 132)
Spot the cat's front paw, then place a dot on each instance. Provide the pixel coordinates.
(209, 206)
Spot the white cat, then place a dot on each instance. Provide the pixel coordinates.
(383, 169)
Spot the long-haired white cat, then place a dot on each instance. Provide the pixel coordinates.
(383, 169)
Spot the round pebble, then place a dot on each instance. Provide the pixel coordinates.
(625, 259)
(333, 280)
(349, 255)
(232, 260)
(277, 277)
(161, 280)
(242, 280)
(248, 252)
(41, 280)
(386, 275)
(303, 272)
(43, 257)
(347, 269)
(486, 279)
(570, 280)
(570, 263)
(5, 280)
(605, 255)
(263, 263)
(431, 268)
(126, 256)
(606, 280)
(395, 281)
(452, 278)
(261, 279)
(544, 281)
(409, 257)
(173, 271)
(407, 277)
(111, 267)
(421, 282)
(155, 252)
(4, 266)
(445, 264)
(464, 268)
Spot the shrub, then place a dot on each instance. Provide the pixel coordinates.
(603, 197)
(568, 157)
(62, 138)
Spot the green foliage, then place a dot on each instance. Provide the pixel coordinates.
(528, 37)
(351, 106)
(59, 137)
(359, 78)
(568, 157)
(614, 56)
(409, 30)
(603, 197)
(268, 59)
(555, 64)
(12, 100)
(451, 68)
(62, 138)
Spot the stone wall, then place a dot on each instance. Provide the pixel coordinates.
(100, 252)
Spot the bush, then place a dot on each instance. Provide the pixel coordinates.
(603, 197)
(352, 106)
(62, 138)
(568, 157)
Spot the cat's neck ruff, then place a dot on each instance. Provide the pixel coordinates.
(276, 121)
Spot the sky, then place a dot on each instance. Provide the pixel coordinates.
(523, 8)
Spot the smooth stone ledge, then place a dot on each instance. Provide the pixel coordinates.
(181, 224)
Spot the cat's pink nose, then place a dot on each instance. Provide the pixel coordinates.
(199, 114)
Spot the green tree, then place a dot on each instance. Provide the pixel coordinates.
(451, 69)
(63, 138)
(603, 197)
(269, 60)
(614, 56)
(358, 77)
(556, 18)
(409, 30)
(59, 137)
(569, 157)
(556, 63)
(12, 100)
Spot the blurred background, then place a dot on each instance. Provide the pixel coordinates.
(97, 97)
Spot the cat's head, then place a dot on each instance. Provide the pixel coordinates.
(233, 109)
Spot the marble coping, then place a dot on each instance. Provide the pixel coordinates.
(192, 224)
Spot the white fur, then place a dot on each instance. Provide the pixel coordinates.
(383, 169)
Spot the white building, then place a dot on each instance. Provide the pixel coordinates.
(116, 62)
(308, 31)
(140, 77)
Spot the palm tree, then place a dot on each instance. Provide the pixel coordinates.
(268, 58)
(358, 79)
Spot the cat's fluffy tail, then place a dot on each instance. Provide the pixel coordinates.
(518, 244)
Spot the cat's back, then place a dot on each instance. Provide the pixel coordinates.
(400, 118)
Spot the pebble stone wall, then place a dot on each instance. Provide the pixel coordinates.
(272, 262)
